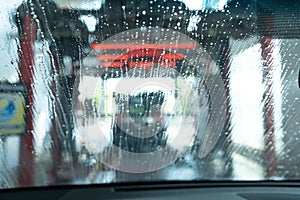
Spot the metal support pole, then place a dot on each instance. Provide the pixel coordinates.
(26, 160)
(270, 156)
(228, 143)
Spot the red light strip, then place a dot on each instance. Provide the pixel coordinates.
(135, 64)
(143, 46)
(111, 64)
(112, 57)
(171, 56)
(150, 64)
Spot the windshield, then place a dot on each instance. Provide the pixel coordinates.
(110, 91)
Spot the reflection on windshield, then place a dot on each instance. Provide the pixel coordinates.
(133, 91)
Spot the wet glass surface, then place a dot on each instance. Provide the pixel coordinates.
(129, 91)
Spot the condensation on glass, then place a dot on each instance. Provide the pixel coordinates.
(126, 91)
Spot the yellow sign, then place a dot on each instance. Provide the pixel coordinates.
(12, 113)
